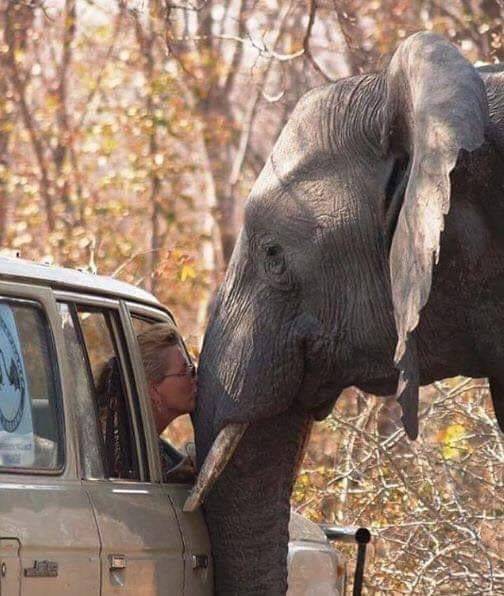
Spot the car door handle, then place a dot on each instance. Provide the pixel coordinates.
(117, 562)
(199, 561)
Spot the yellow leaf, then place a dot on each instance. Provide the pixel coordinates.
(454, 444)
(187, 272)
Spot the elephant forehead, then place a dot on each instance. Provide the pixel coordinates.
(317, 167)
(285, 170)
(324, 189)
(297, 152)
(281, 209)
(281, 179)
(302, 148)
(303, 142)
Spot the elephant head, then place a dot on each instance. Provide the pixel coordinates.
(331, 284)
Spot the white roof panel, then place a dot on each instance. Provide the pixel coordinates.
(71, 279)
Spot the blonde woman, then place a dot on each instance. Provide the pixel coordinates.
(171, 377)
(171, 382)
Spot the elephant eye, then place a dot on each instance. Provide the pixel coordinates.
(273, 250)
(275, 261)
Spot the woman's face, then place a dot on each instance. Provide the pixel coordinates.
(175, 394)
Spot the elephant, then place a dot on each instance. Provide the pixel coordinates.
(371, 255)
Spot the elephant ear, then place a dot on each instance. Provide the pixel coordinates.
(436, 106)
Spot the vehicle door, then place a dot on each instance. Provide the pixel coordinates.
(142, 550)
(48, 536)
(176, 486)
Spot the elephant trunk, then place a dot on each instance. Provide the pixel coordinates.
(250, 427)
(248, 508)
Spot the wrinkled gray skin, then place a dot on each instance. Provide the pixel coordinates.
(331, 270)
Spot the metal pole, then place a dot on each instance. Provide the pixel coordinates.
(361, 536)
(359, 569)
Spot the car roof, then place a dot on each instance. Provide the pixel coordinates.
(21, 270)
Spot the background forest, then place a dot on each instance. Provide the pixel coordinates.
(130, 135)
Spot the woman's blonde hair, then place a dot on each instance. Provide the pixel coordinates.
(152, 342)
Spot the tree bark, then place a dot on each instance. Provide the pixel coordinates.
(16, 23)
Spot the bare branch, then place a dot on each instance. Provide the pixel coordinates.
(306, 41)
(262, 49)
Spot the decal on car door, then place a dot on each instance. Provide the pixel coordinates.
(16, 426)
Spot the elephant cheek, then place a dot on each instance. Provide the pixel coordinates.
(320, 387)
(262, 383)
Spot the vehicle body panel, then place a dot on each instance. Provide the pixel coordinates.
(137, 523)
(141, 545)
(53, 521)
(10, 566)
(197, 549)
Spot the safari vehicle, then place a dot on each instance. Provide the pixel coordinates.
(69, 524)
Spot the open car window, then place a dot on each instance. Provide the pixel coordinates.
(114, 417)
(101, 372)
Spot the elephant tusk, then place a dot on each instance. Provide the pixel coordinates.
(216, 460)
